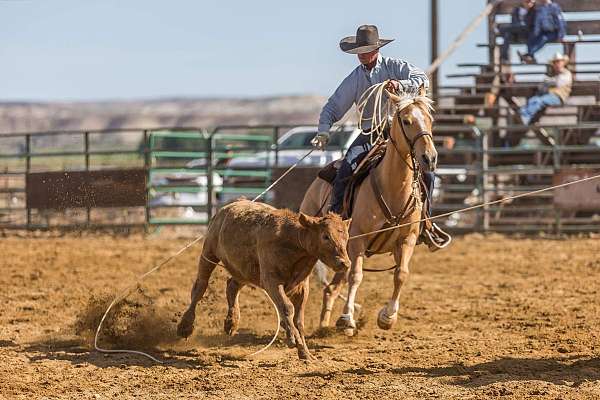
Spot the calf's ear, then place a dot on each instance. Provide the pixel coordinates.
(306, 221)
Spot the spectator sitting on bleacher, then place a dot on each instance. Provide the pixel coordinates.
(549, 26)
(518, 31)
(554, 91)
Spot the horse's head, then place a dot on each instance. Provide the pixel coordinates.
(412, 127)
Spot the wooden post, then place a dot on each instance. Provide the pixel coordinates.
(434, 47)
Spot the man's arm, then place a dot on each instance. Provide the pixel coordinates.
(410, 77)
(338, 104)
(565, 78)
(560, 21)
(537, 23)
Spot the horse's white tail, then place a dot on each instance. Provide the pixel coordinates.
(321, 272)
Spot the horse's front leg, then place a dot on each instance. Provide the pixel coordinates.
(346, 321)
(388, 315)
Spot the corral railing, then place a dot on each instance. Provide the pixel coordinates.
(141, 177)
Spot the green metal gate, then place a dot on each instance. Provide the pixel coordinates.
(190, 173)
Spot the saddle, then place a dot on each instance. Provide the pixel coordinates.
(366, 164)
(370, 161)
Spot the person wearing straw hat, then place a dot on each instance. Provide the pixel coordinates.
(373, 69)
(554, 91)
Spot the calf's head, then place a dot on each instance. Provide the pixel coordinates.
(328, 238)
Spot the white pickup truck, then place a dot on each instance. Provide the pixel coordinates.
(294, 144)
(291, 147)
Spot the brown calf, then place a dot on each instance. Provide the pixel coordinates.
(272, 249)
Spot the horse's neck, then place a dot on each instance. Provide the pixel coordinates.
(393, 173)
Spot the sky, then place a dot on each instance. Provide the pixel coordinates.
(74, 50)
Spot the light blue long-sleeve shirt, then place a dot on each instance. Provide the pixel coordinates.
(359, 80)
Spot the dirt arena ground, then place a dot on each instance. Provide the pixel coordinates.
(488, 317)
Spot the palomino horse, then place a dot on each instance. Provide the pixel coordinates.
(409, 148)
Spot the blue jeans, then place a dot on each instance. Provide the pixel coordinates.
(538, 104)
(511, 34)
(536, 43)
(355, 154)
(357, 151)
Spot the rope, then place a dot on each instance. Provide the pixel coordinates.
(461, 38)
(272, 185)
(276, 312)
(126, 292)
(590, 178)
(122, 295)
(379, 118)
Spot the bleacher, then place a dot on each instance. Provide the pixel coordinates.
(488, 135)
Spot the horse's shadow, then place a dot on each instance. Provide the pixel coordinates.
(572, 371)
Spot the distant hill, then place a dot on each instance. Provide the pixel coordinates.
(53, 116)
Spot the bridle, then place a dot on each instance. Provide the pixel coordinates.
(411, 143)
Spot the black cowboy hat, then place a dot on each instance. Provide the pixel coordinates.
(366, 40)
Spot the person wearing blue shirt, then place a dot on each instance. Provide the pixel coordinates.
(373, 69)
(549, 26)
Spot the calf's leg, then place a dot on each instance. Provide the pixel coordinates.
(286, 312)
(232, 320)
(205, 269)
(299, 300)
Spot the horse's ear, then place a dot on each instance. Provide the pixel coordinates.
(422, 90)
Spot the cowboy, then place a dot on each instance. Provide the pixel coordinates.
(373, 69)
(554, 91)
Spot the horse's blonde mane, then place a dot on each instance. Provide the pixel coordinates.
(424, 103)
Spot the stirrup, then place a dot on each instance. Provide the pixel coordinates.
(435, 238)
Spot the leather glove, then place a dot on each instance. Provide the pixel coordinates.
(320, 141)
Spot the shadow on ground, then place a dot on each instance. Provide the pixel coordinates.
(571, 371)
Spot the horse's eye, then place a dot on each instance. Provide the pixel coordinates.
(326, 237)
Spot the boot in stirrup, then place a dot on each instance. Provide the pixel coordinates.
(435, 238)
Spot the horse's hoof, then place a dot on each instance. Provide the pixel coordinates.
(230, 326)
(384, 321)
(346, 324)
(290, 342)
(325, 318)
(306, 356)
(184, 330)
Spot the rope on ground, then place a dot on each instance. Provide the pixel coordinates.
(518, 196)
(128, 289)
(276, 312)
(126, 292)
